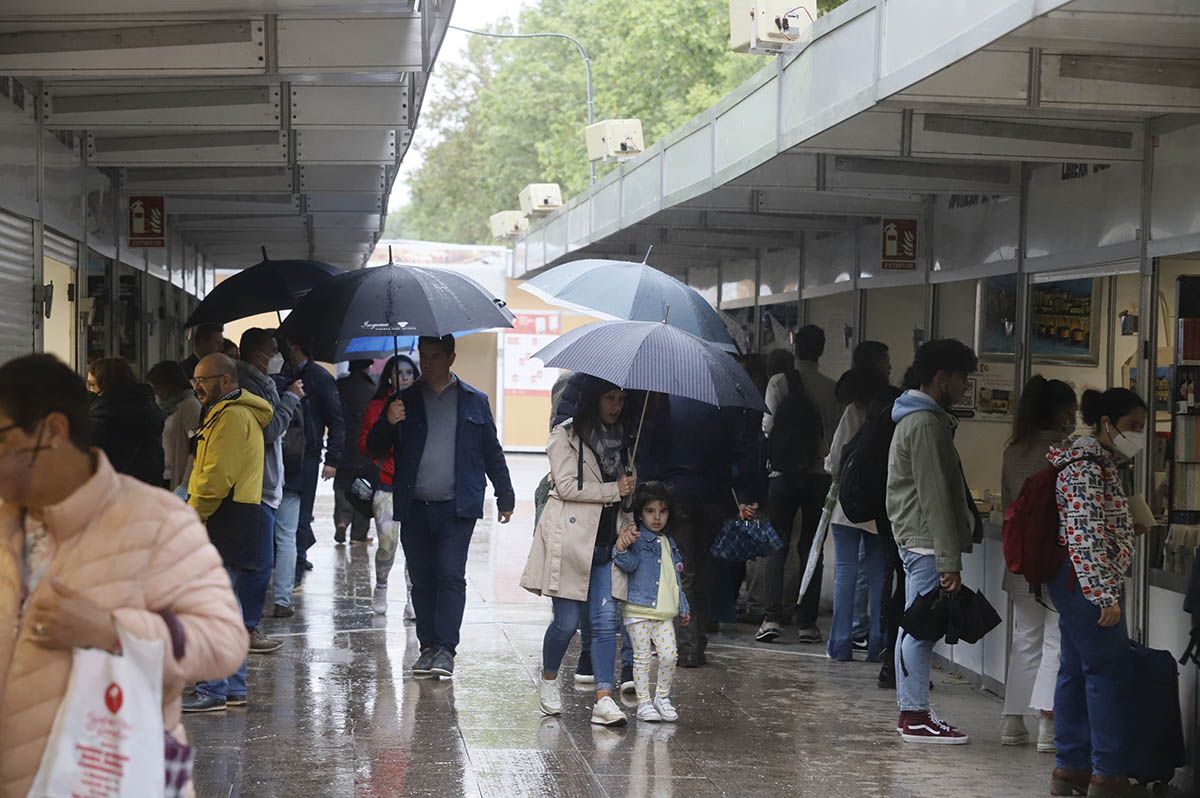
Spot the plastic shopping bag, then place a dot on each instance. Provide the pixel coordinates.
(107, 738)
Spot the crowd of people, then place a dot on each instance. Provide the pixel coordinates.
(243, 434)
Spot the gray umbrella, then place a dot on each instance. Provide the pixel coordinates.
(619, 289)
(654, 356)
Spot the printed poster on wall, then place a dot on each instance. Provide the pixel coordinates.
(523, 374)
(989, 393)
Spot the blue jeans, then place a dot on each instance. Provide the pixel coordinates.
(913, 655)
(287, 517)
(847, 541)
(234, 685)
(1095, 684)
(311, 474)
(436, 542)
(252, 588)
(601, 609)
(862, 594)
(585, 639)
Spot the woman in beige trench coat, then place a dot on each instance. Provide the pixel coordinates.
(571, 557)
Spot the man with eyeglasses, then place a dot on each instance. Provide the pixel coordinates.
(226, 491)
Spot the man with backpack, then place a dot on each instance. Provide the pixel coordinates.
(933, 519)
(803, 412)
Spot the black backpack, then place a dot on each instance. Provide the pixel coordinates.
(862, 478)
(295, 442)
(797, 431)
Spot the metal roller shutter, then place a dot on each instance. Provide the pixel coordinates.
(61, 248)
(16, 286)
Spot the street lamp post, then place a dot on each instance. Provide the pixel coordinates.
(587, 66)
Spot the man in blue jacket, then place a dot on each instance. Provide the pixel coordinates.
(322, 412)
(444, 443)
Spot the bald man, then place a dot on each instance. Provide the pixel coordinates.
(226, 491)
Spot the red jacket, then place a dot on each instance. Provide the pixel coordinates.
(387, 464)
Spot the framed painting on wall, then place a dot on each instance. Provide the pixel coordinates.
(1064, 321)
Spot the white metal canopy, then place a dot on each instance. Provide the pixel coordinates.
(883, 105)
(263, 122)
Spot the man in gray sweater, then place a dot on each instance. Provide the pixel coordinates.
(260, 358)
(932, 517)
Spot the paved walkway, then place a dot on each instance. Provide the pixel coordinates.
(336, 712)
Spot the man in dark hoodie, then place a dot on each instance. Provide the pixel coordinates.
(705, 455)
(127, 423)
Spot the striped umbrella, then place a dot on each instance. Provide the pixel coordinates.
(654, 356)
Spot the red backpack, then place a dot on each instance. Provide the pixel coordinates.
(1031, 525)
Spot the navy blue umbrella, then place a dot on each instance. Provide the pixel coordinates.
(618, 289)
(394, 303)
(268, 286)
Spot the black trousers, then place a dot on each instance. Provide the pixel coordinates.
(784, 498)
(694, 532)
(893, 593)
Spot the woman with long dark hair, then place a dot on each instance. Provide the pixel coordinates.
(1045, 416)
(859, 387)
(126, 421)
(1092, 727)
(399, 373)
(571, 557)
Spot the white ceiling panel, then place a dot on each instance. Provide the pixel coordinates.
(230, 106)
(361, 202)
(343, 178)
(332, 45)
(210, 180)
(246, 148)
(346, 145)
(350, 106)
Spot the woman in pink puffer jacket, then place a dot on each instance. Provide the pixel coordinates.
(83, 550)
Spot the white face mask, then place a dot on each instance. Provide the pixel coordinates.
(275, 364)
(1127, 446)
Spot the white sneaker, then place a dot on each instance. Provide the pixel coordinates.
(1013, 732)
(1045, 741)
(665, 710)
(379, 601)
(647, 712)
(548, 696)
(607, 713)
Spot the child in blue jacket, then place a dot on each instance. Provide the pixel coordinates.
(652, 560)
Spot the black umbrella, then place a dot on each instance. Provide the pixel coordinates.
(392, 302)
(268, 286)
(962, 616)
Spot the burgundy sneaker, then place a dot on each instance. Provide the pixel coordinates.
(926, 727)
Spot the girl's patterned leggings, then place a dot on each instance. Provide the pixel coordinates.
(661, 634)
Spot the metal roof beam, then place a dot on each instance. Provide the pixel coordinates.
(207, 180)
(246, 148)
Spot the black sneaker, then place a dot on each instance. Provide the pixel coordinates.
(283, 612)
(860, 644)
(199, 702)
(887, 678)
(424, 663)
(583, 669)
(627, 685)
(443, 665)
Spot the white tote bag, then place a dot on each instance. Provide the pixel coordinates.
(107, 738)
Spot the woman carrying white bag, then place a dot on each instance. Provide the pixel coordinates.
(102, 571)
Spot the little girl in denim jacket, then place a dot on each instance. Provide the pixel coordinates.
(652, 560)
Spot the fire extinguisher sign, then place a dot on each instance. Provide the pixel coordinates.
(147, 222)
(899, 245)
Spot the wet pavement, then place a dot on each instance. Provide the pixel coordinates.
(336, 711)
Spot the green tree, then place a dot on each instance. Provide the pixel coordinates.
(518, 113)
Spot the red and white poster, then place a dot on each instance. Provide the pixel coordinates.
(147, 222)
(524, 375)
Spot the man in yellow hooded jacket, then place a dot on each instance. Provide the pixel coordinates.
(225, 490)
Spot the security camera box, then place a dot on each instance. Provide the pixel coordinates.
(615, 139)
(508, 224)
(540, 199)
